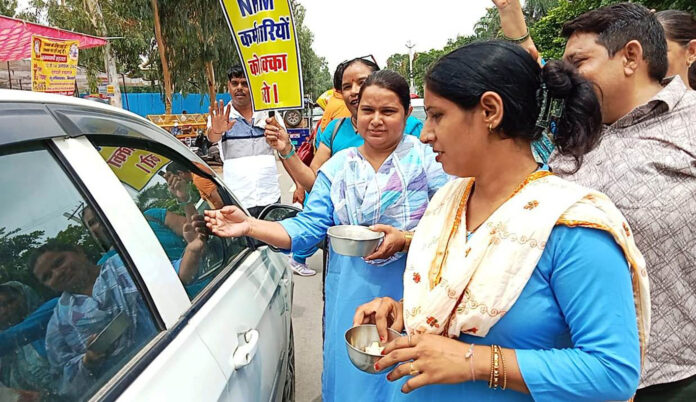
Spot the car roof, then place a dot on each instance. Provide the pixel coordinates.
(30, 116)
(17, 96)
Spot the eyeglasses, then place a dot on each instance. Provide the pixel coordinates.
(368, 57)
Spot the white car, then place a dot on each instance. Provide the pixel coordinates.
(418, 109)
(110, 289)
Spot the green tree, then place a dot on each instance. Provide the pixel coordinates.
(8, 7)
(421, 63)
(488, 26)
(536, 9)
(15, 250)
(399, 62)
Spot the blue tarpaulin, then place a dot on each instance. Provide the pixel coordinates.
(152, 103)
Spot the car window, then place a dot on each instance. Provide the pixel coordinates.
(172, 194)
(71, 314)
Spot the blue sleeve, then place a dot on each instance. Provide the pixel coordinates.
(309, 227)
(592, 285)
(317, 138)
(33, 327)
(325, 137)
(159, 214)
(413, 126)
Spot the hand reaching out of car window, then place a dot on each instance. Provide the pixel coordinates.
(220, 118)
(229, 221)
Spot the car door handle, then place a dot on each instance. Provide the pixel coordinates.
(245, 353)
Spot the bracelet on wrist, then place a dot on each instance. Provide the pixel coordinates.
(289, 154)
(516, 40)
(408, 237)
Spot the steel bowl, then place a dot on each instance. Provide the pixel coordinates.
(354, 240)
(360, 337)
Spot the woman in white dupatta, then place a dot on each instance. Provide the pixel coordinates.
(518, 285)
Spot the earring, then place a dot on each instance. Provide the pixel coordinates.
(490, 128)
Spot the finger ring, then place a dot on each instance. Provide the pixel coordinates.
(413, 370)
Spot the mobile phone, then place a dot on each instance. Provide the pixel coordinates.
(113, 330)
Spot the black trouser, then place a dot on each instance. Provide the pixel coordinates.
(682, 390)
(256, 211)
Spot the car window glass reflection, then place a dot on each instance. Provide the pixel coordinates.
(70, 312)
(172, 195)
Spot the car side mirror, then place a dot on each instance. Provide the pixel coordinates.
(278, 212)
(275, 213)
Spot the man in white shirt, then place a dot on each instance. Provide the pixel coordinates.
(249, 166)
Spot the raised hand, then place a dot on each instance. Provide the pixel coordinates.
(220, 117)
(229, 221)
(277, 137)
(501, 4)
(177, 186)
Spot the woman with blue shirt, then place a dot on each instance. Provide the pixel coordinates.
(388, 180)
(519, 285)
(340, 134)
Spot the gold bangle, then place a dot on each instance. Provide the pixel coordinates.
(502, 364)
(494, 380)
(408, 237)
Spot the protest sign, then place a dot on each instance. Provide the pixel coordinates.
(264, 32)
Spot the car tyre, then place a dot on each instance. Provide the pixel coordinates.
(289, 387)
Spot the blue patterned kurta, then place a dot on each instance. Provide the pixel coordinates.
(349, 191)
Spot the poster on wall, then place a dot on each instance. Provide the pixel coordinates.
(264, 32)
(53, 65)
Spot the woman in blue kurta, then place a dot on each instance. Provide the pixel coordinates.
(518, 285)
(385, 183)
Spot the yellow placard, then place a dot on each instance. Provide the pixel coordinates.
(53, 65)
(132, 166)
(264, 32)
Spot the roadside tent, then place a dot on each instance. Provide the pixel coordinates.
(15, 38)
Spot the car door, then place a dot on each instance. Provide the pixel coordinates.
(176, 364)
(241, 313)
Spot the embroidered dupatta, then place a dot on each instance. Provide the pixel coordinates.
(454, 285)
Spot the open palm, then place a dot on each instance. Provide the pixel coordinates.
(220, 117)
(229, 221)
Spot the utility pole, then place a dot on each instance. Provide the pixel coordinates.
(410, 46)
(97, 19)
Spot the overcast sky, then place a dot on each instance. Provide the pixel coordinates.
(344, 29)
(351, 28)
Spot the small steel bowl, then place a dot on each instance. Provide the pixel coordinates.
(360, 337)
(354, 240)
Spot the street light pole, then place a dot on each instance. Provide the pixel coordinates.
(410, 46)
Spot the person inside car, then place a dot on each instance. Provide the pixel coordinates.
(24, 371)
(91, 297)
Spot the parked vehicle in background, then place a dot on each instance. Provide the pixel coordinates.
(418, 109)
(114, 289)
